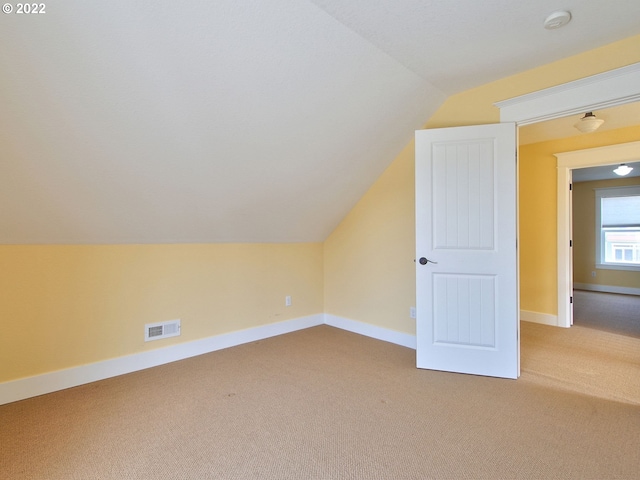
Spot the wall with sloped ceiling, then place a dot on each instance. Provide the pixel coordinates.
(369, 270)
(67, 305)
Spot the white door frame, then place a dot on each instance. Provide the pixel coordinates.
(567, 161)
(604, 90)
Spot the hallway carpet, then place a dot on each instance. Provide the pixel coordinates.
(610, 312)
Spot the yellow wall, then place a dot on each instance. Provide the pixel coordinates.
(369, 257)
(584, 241)
(369, 273)
(65, 306)
(538, 214)
(537, 204)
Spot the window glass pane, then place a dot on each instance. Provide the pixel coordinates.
(621, 245)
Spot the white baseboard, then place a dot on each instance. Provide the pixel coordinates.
(606, 288)
(537, 317)
(28, 387)
(15, 390)
(368, 330)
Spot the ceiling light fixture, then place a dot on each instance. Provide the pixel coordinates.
(589, 123)
(623, 170)
(557, 19)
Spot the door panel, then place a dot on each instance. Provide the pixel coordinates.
(463, 195)
(464, 310)
(467, 305)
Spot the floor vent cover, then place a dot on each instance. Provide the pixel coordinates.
(156, 331)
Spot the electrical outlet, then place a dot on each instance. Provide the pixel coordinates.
(412, 312)
(593, 274)
(287, 301)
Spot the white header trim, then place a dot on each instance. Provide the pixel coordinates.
(608, 89)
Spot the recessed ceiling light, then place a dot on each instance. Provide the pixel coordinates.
(557, 19)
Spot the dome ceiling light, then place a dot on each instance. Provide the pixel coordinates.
(589, 123)
(623, 170)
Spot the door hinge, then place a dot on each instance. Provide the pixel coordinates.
(570, 186)
(571, 243)
(571, 299)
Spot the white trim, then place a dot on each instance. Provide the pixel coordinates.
(590, 157)
(537, 317)
(592, 287)
(608, 89)
(72, 377)
(368, 330)
(594, 157)
(563, 249)
(618, 266)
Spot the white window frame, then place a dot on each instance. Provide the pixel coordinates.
(627, 191)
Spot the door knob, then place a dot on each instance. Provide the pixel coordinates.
(424, 261)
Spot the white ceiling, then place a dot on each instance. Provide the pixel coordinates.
(228, 121)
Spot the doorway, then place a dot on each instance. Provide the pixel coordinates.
(567, 162)
(606, 297)
(609, 89)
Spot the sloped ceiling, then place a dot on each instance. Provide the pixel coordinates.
(241, 121)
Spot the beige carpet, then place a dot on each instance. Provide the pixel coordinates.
(610, 312)
(327, 404)
(584, 360)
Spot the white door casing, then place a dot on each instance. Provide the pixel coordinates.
(566, 162)
(466, 225)
(603, 90)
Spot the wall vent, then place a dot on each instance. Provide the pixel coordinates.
(156, 331)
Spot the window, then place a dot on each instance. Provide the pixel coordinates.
(618, 228)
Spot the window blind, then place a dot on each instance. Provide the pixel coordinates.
(620, 212)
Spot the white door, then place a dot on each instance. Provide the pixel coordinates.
(466, 252)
